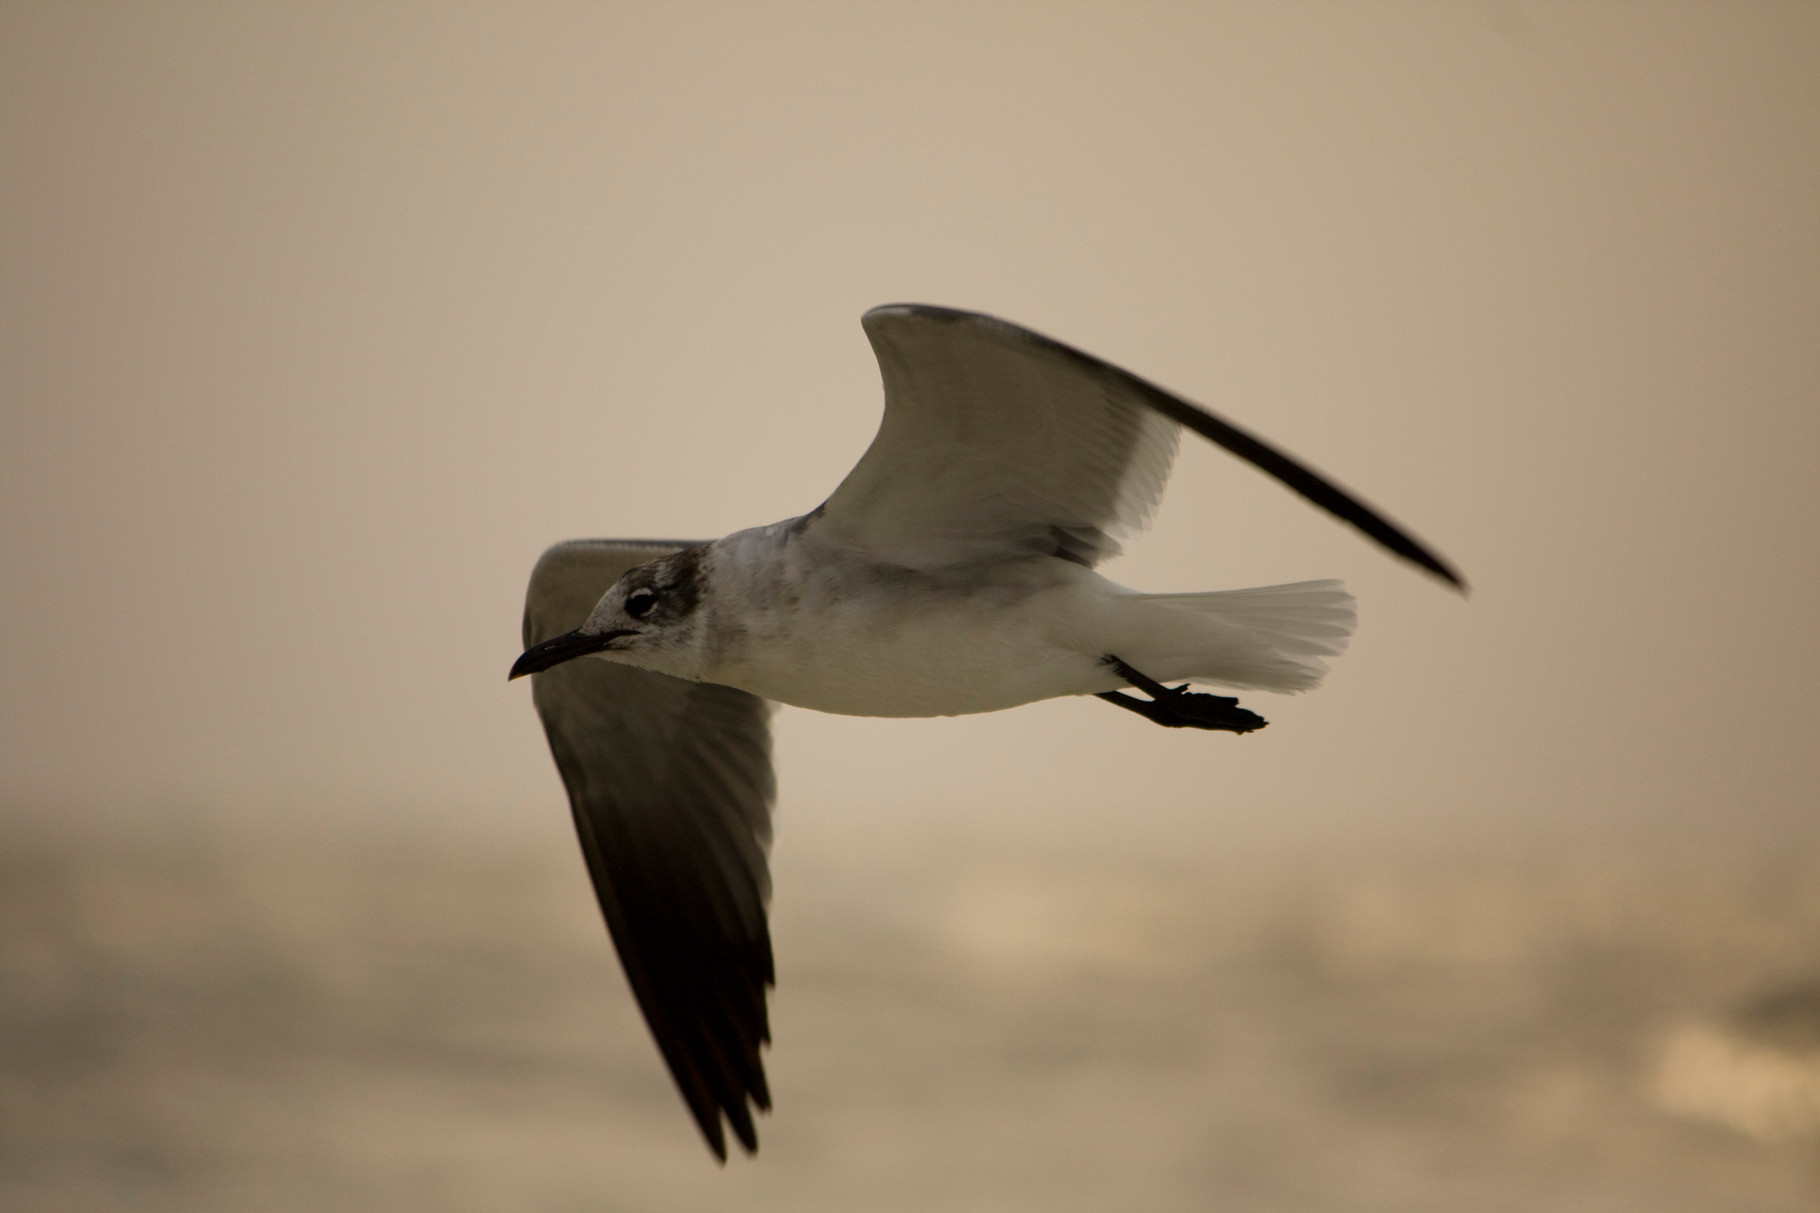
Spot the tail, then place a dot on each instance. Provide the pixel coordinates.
(1271, 638)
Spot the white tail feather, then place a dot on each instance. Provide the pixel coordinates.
(1271, 638)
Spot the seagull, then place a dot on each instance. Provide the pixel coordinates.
(951, 572)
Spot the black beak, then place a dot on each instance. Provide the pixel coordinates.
(558, 649)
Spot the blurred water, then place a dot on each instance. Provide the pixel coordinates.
(201, 1022)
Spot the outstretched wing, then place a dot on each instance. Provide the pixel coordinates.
(999, 442)
(671, 787)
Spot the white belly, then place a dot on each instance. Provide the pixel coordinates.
(924, 654)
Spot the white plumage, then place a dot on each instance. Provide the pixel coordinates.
(951, 572)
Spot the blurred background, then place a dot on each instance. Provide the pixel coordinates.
(318, 322)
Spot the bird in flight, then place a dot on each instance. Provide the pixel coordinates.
(951, 572)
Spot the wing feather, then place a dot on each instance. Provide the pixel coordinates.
(999, 442)
(671, 787)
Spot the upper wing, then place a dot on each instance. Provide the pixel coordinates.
(671, 787)
(999, 442)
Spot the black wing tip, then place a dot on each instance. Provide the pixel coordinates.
(717, 1140)
(1300, 478)
(1396, 541)
(716, 1083)
(713, 1121)
(744, 1129)
(716, 1078)
(1417, 555)
(1451, 576)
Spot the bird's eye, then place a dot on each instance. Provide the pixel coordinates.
(639, 603)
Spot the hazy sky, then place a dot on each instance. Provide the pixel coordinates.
(318, 322)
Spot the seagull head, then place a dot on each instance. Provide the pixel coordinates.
(648, 619)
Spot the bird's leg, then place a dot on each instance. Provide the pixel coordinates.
(1179, 708)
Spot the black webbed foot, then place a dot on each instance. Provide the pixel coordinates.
(1180, 708)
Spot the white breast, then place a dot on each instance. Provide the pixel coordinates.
(825, 631)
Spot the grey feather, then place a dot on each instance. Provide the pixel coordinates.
(671, 787)
(999, 442)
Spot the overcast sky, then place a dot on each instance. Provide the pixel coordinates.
(318, 322)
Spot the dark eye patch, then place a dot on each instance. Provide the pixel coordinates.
(640, 602)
